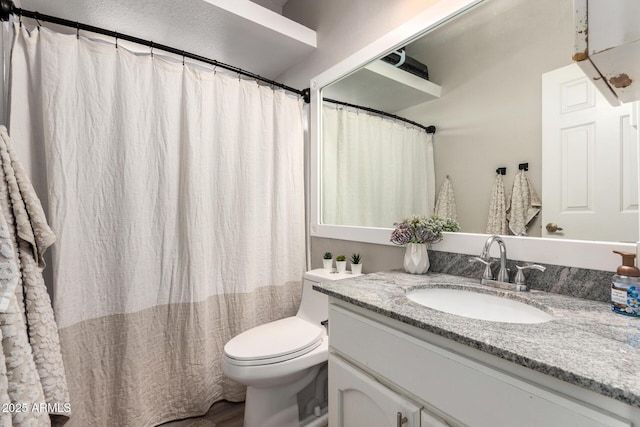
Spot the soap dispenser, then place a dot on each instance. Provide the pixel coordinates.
(625, 287)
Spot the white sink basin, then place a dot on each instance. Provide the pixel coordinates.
(478, 306)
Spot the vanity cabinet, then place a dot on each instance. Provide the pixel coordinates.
(376, 367)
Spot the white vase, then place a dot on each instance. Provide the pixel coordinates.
(327, 264)
(416, 258)
(356, 268)
(341, 266)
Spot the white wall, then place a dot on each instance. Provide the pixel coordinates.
(344, 27)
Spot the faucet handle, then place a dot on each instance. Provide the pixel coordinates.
(520, 279)
(487, 274)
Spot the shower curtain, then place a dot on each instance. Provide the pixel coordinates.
(176, 193)
(375, 171)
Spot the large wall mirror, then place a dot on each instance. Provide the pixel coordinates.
(500, 84)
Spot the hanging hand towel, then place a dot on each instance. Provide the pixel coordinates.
(446, 203)
(524, 204)
(497, 221)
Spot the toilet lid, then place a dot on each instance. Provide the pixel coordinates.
(274, 342)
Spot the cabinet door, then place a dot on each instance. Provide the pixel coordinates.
(358, 400)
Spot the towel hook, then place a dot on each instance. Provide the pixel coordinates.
(523, 166)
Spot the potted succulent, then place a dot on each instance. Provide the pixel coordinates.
(356, 264)
(417, 234)
(327, 261)
(341, 263)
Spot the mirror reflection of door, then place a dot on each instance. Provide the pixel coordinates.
(589, 155)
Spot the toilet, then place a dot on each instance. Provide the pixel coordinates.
(279, 359)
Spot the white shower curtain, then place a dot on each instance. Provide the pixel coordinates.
(177, 197)
(375, 171)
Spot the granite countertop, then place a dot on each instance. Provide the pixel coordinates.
(586, 344)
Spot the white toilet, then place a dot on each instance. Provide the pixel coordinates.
(279, 359)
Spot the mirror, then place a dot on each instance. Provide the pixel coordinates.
(487, 65)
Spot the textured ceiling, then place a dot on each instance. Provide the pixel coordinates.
(196, 26)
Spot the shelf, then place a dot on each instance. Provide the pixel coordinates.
(240, 33)
(384, 87)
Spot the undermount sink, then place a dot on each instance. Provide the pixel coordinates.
(478, 306)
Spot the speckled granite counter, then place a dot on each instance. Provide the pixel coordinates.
(586, 344)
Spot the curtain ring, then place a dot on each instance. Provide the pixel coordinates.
(152, 49)
(77, 30)
(115, 34)
(20, 18)
(183, 58)
(36, 15)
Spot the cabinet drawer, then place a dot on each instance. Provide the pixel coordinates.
(468, 391)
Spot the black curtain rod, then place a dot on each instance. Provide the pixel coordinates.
(428, 129)
(7, 8)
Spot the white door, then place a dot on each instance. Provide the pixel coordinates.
(358, 400)
(589, 161)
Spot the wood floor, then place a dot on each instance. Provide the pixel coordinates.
(221, 414)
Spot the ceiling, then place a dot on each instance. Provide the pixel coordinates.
(239, 32)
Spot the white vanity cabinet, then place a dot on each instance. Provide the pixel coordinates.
(377, 370)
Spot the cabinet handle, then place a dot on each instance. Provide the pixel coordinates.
(400, 419)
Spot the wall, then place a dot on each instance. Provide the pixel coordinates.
(490, 112)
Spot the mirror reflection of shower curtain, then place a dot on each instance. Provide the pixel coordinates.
(375, 171)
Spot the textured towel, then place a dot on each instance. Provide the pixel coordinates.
(497, 221)
(33, 371)
(524, 204)
(446, 203)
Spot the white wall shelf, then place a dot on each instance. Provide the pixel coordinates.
(384, 87)
(240, 33)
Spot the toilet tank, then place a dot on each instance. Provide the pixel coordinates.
(314, 307)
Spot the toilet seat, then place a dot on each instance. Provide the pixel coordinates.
(274, 342)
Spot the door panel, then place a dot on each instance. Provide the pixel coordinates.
(358, 400)
(589, 160)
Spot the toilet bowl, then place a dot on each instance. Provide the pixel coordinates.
(279, 359)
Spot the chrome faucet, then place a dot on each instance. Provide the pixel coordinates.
(503, 274)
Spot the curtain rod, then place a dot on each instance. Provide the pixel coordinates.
(428, 129)
(7, 8)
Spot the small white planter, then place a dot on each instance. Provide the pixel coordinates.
(341, 266)
(327, 264)
(416, 258)
(356, 268)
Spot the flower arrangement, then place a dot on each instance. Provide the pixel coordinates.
(420, 229)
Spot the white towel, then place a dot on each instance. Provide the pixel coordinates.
(524, 204)
(446, 203)
(497, 221)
